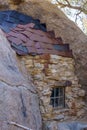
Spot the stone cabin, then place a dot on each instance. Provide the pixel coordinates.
(49, 64)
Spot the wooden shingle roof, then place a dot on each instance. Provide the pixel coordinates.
(28, 36)
(24, 39)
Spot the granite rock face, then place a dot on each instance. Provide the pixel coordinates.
(18, 99)
(9, 71)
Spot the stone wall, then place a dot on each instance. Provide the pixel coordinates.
(56, 21)
(49, 71)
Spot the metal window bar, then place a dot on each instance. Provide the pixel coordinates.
(58, 97)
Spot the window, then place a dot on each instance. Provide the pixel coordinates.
(57, 98)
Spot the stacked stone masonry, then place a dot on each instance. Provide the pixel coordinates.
(50, 66)
(46, 72)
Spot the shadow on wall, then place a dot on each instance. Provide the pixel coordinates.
(15, 2)
(11, 18)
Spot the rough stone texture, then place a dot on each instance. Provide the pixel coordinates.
(9, 71)
(63, 27)
(72, 125)
(50, 71)
(57, 21)
(18, 99)
(66, 126)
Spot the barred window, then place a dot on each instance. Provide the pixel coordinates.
(57, 98)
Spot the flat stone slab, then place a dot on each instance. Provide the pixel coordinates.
(72, 126)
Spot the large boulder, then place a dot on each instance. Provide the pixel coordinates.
(18, 99)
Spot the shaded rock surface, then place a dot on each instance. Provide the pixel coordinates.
(9, 71)
(18, 99)
(67, 126)
(71, 126)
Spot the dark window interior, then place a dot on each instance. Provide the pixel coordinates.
(57, 98)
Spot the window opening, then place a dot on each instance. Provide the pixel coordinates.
(57, 98)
